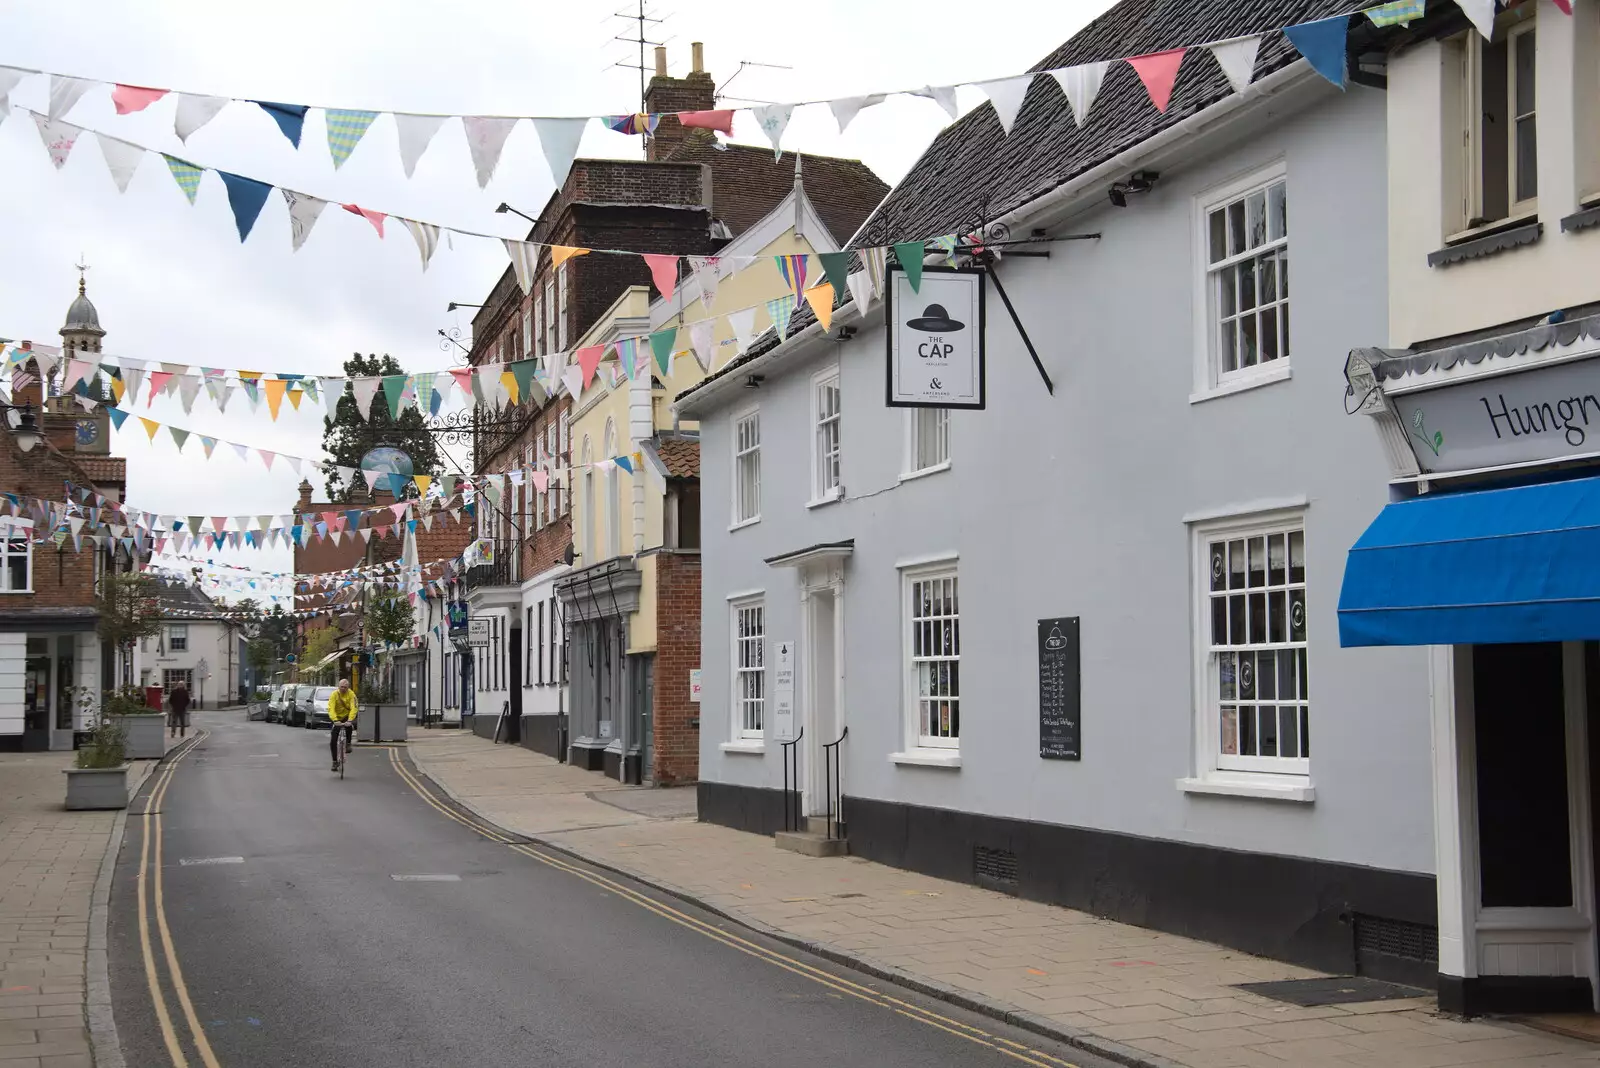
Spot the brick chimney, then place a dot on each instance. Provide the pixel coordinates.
(693, 92)
(304, 503)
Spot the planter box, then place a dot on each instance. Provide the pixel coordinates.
(390, 719)
(97, 788)
(147, 737)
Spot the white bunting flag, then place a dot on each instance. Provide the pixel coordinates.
(743, 323)
(330, 397)
(524, 259)
(1481, 14)
(572, 378)
(773, 119)
(194, 111)
(846, 108)
(188, 390)
(365, 390)
(702, 338)
(426, 236)
(1007, 95)
(133, 377)
(1237, 58)
(876, 262)
(122, 159)
(485, 138)
(860, 291)
(64, 92)
(303, 213)
(415, 131)
(560, 139)
(243, 451)
(1082, 84)
(707, 272)
(943, 95)
(9, 77)
(58, 138)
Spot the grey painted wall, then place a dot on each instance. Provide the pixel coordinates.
(1075, 504)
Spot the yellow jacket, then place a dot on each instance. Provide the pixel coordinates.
(342, 706)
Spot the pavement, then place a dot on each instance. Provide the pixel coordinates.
(51, 862)
(1135, 995)
(269, 914)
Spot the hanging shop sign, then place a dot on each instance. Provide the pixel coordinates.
(936, 337)
(1546, 413)
(477, 632)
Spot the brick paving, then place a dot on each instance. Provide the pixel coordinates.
(1109, 986)
(49, 861)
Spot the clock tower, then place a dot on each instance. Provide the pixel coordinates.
(81, 338)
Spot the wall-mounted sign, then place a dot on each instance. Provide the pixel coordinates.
(477, 632)
(936, 339)
(1546, 413)
(783, 692)
(1060, 690)
(694, 685)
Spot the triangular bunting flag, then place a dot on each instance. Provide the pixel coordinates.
(130, 98)
(909, 255)
(820, 297)
(9, 77)
(861, 291)
(122, 159)
(150, 427)
(661, 343)
(1082, 84)
(291, 118)
(345, 130)
(1323, 44)
(64, 92)
(1007, 95)
(524, 260)
(1399, 13)
(186, 174)
(58, 138)
(245, 196)
(415, 131)
(793, 270)
(1159, 72)
(628, 355)
(1237, 58)
(194, 111)
(365, 389)
(836, 268)
(846, 108)
(118, 416)
(485, 138)
(560, 139)
(572, 378)
(708, 274)
(702, 339)
(943, 95)
(374, 217)
(589, 361)
(303, 213)
(275, 389)
(773, 120)
(560, 254)
(664, 270)
(743, 324)
(1479, 12)
(781, 310)
(393, 389)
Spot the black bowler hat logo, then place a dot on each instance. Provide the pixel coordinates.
(935, 320)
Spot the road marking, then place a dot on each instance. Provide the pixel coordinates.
(189, 862)
(1015, 1050)
(426, 877)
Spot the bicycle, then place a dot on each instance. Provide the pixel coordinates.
(341, 741)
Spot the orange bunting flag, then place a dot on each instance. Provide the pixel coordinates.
(820, 297)
(150, 427)
(275, 390)
(560, 254)
(509, 381)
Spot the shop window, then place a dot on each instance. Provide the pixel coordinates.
(16, 556)
(1246, 281)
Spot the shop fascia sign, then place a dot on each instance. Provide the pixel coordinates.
(936, 339)
(1543, 414)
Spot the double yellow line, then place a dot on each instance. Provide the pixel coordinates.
(150, 891)
(1016, 1050)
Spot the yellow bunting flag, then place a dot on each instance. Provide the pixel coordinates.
(294, 397)
(423, 482)
(118, 388)
(275, 391)
(150, 427)
(509, 380)
(560, 254)
(821, 300)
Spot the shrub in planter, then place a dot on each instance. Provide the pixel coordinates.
(141, 724)
(100, 777)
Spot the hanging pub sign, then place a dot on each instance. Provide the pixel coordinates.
(936, 337)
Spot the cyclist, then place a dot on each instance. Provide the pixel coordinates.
(342, 711)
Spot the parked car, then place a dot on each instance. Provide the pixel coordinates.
(319, 708)
(300, 705)
(278, 704)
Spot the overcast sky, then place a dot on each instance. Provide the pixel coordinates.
(172, 282)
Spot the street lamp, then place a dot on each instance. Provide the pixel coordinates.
(27, 428)
(504, 207)
(454, 304)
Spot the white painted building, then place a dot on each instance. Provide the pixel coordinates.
(1176, 512)
(197, 646)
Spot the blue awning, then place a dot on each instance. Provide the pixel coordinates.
(1503, 565)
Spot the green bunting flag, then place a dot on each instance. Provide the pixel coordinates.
(661, 343)
(186, 174)
(836, 268)
(909, 255)
(522, 372)
(394, 388)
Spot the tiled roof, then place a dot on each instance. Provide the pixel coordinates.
(102, 469)
(747, 183)
(183, 598)
(680, 456)
(973, 171)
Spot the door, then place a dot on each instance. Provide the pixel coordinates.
(514, 713)
(823, 688)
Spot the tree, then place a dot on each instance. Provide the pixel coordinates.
(390, 620)
(320, 641)
(347, 437)
(130, 609)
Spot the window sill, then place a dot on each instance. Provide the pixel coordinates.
(1582, 219)
(14, 593)
(928, 758)
(1279, 371)
(1261, 787)
(832, 498)
(741, 524)
(909, 476)
(1513, 235)
(750, 746)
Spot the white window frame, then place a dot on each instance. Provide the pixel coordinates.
(175, 631)
(563, 458)
(16, 530)
(1209, 379)
(737, 700)
(552, 494)
(915, 419)
(527, 331)
(550, 316)
(538, 325)
(613, 496)
(1469, 51)
(1273, 778)
(746, 512)
(827, 438)
(921, 747)
(561, 307)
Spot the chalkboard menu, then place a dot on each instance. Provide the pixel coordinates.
(1060, 692)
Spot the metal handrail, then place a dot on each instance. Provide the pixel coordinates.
(791, 798)
(834, 779)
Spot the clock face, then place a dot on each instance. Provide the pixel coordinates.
(88, 431)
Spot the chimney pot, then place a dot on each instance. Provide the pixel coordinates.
(697, 53)
(661, 61)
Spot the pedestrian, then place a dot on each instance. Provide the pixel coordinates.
(178, 721)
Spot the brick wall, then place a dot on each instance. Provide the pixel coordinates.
(694, 92)
(677, 739)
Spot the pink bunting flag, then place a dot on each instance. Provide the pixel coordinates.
(1159, 72)
(463, 379)
(721, 121)
(1564, 5)
(589, 360)
(374, 217)
(131, 98)
(541, 480)
(664, 269)
(158, 382)
(267, 457)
